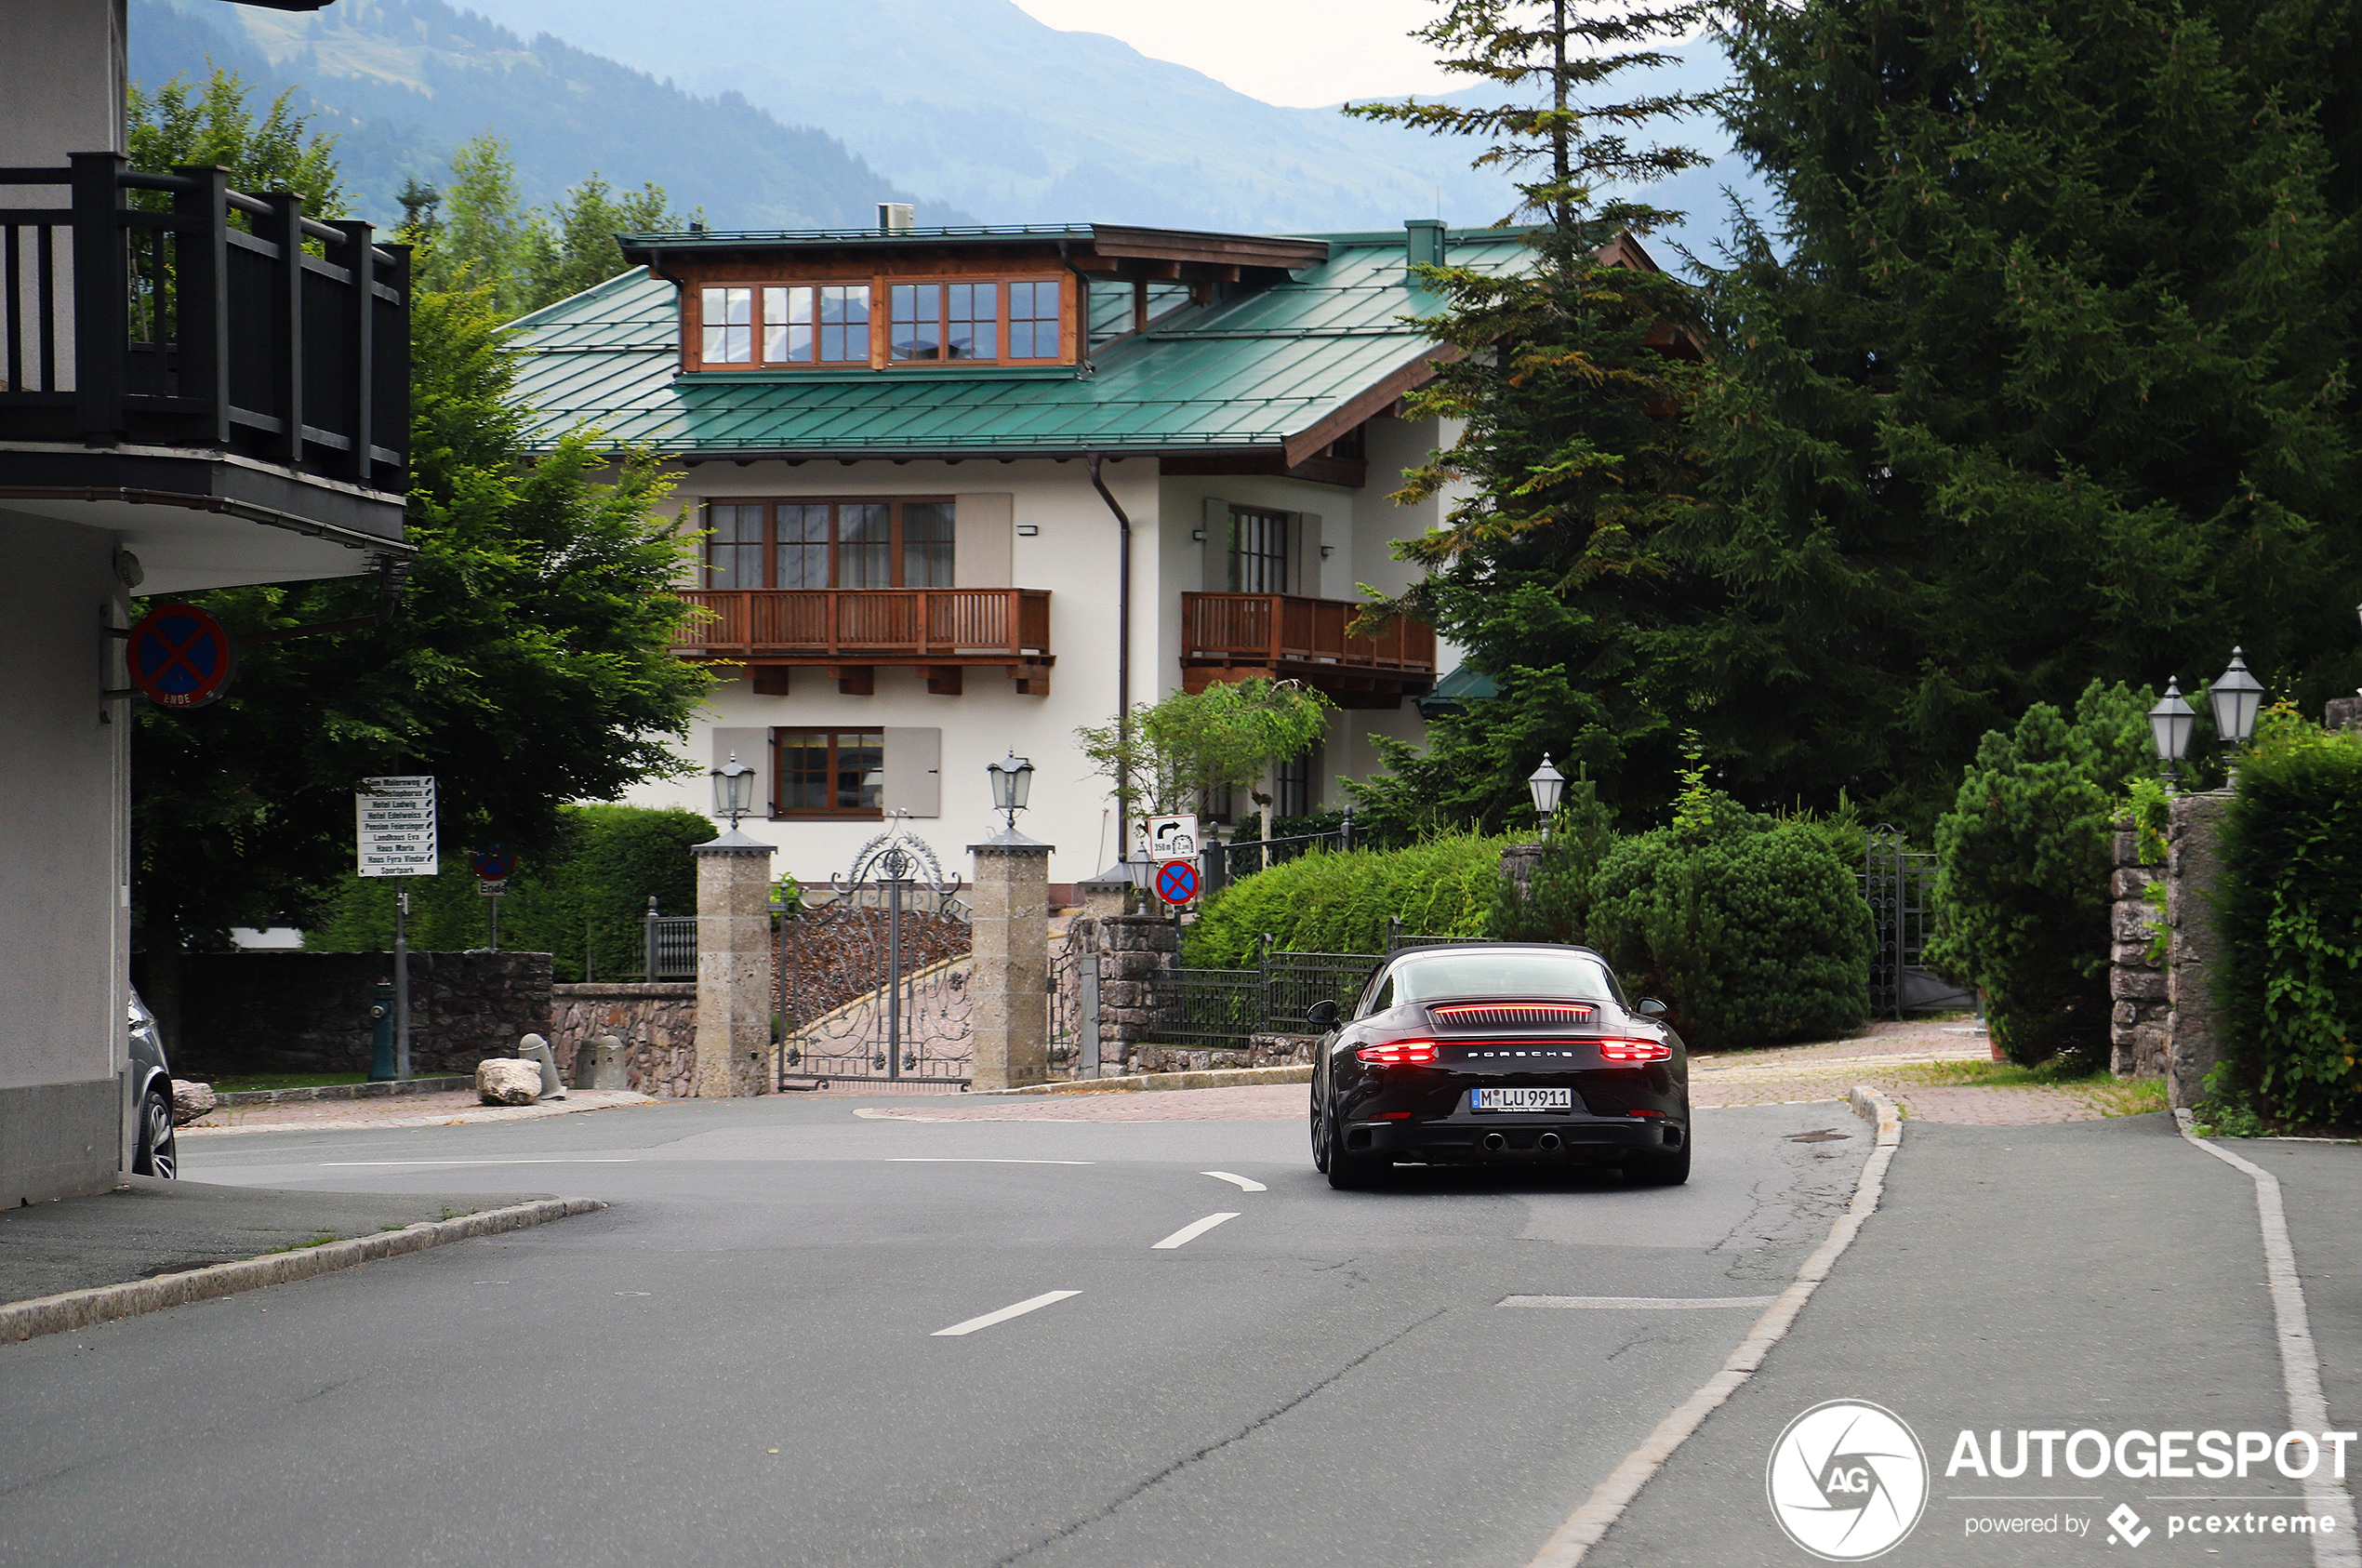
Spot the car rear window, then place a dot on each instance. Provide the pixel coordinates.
(1504, 974)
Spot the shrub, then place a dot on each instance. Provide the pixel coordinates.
(1328, 901)
(1752, 930)
(2023, 901)
(2291, 917)
(1557, 903)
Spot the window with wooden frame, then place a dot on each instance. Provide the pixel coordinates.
(1258, 551)
(1004, 321)
(788, 323)
(830, 544)
(827, 773)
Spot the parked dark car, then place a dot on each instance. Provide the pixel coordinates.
(156, 1149)
(1499, 1054)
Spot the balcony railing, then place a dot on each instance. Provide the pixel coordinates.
(869, 625)
(1230, 636)
(201, 320)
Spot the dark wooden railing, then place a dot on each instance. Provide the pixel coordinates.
(856, 625)
(1280, 629)
(202, 321)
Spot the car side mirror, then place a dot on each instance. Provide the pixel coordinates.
(1323, 1013)
(1649, 1007)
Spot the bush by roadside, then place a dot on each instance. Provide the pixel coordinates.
(1340, 902)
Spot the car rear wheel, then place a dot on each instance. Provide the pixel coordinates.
(1319, 1138)
(1669, 1168)
(159, 1151)
(1349, 1173)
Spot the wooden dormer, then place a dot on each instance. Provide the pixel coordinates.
(904, 298)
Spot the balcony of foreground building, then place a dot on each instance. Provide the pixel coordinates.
(166, 342)
(850, 633)
(1238, 636)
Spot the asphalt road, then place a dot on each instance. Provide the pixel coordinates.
(741, 1359)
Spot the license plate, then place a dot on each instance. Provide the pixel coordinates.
(1521, 1100)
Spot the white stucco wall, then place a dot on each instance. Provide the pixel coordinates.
(64, 777)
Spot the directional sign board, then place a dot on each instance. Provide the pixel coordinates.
(395, 818)
(179, 657)
(1176, 881)
(1172, 838)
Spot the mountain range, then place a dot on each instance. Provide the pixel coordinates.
(784, 113)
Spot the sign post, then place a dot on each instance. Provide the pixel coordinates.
(394, 827)
(493, 870)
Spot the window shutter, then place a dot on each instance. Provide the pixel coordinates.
(1307, 577)
(981, 526)
(752, 748)
(1217, 545)
(914, 772)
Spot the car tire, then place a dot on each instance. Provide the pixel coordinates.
(1669, 1168)
(158, 1153)
(1349, 1173)
(1319, 1138)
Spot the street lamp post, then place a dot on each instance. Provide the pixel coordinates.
(733, 790)
(2170, 723)
(2235, 694)
(1547, 785)
(1012, 782)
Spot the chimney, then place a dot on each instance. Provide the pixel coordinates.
(1423, 244)
(894, 218)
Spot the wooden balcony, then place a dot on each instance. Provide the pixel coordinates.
(1238, 636)
(851, 631)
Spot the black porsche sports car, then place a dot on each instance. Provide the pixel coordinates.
(1499, 1053)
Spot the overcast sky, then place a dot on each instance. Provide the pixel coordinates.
(1299, 52)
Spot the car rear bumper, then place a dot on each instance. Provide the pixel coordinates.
(1521, 1137)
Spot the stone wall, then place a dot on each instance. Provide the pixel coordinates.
(2193, 869)
(656, 1023)
(1262, 1050)
(2142, 1025)
(260, 1010)
(1134, 949)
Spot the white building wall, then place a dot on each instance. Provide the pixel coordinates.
(64, 838)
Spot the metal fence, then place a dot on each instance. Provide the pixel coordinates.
(1899, 885)
(669, 946)
(1223, 1007)
(1226, 863)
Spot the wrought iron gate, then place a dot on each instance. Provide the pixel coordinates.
(874, 983)
(1899, 884)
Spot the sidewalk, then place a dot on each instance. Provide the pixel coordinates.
(148, 1227)
(448, 1109)
(2104, 1275)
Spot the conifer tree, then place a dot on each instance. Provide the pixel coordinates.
(1570, 375)
(2039, 373)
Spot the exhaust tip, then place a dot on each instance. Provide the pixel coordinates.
(1495, 1141)
(1549, 1140)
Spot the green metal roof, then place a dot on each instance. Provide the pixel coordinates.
(1244, 373)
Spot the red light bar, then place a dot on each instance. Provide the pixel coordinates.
(1513, 1014)
(1399, 1053)
(1635, 1051)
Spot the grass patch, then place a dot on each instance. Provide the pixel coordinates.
(2118, 1096)
(242, 1082)
(322, 1240)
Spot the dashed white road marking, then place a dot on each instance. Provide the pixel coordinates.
(1031, 1304)
(556, 1161)
(1242, 1183)
(978, 1160)
(1643, 1303)
(1192, 1231)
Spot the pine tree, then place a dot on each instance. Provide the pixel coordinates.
(2040, 376)
(1570, 377)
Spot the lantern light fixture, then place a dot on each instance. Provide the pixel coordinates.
(2170, 723)
(1012, 782)
(733, 790)
(1547, 784)
(2235, 694)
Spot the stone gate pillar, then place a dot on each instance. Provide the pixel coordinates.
(2194, 950)
(734, 964)
(1010, 997)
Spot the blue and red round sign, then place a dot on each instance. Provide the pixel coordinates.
(495, 865)
(1177, 881)
(181, 657)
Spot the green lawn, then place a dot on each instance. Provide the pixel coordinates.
(2132, 1096)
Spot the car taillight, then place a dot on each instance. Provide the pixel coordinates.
(1399, 1053)
(1635, 1051)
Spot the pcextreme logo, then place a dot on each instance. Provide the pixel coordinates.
(1846, 1481)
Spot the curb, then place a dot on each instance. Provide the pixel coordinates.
(1585, 1527)
(80, 1309)
(372, 1091)
(1211, 1078)
(474, 1113)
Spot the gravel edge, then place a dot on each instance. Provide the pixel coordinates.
(80, 1309)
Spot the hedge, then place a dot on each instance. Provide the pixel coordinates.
(1331, 901)
(2291, 917)
(611, 860)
